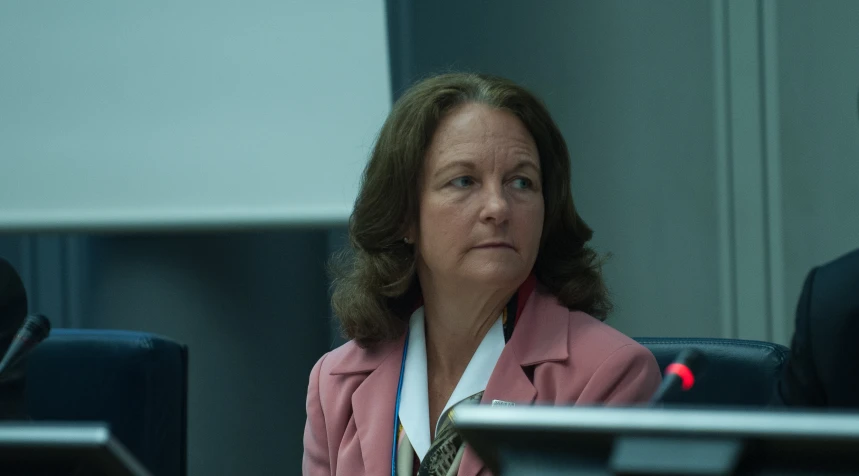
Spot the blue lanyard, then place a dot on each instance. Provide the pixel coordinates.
(397, 407)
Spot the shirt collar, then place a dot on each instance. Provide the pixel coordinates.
(414, 399)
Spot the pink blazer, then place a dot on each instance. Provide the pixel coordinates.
(575, 359)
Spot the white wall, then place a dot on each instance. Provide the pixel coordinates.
(159, 114)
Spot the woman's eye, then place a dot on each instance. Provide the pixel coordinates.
(522, 183)
(462, 182)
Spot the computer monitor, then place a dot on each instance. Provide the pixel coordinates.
(609, 441)
(64, 449)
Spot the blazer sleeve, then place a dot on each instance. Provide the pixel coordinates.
(316, 460)
(628, 376)
(799, 384)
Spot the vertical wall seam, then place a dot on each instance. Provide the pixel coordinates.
(772, 163)
(722, 108)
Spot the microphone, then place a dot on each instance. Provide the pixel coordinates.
(679, 375)
(35, 329)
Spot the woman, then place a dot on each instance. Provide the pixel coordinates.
(469, 281)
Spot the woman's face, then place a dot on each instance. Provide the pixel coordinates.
(481, 200)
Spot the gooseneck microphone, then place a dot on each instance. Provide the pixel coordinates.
(35, 329)
(679, 375)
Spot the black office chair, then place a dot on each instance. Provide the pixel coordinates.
(738, 372)
(135, 381)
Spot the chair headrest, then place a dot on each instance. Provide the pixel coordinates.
(738, 372)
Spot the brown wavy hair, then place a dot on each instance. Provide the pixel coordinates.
(374, 283)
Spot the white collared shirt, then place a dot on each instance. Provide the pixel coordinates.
(414, 399)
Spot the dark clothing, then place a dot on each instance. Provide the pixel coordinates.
(823, 370)
(13, 311)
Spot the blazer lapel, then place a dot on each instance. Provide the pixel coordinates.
(541, 335)
(508, 383)
(373, 403)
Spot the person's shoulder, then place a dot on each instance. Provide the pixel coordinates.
(335, 359)
(588, 336)
(599, 363)
(835, 283)
(847, 263)
(599, 340)
(583, 327)
(340, 354)
(338, 374)
(330, 374)
(351, 358)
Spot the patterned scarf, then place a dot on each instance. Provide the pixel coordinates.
(446, 450)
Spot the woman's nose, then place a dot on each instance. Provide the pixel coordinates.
(495, 205)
